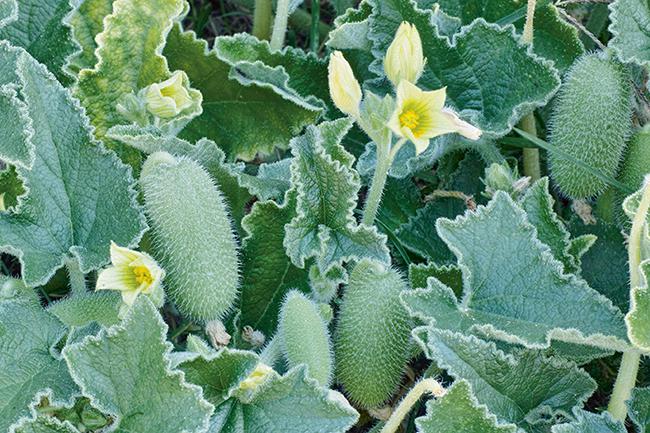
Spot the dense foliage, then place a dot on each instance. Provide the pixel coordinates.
(387, 216)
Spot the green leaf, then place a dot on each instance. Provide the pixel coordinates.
(491, 78)
(8, 12)
(267, 272)
(514, 290)
(30, 368)
(11, 187)
(87, 21)
(306, 73)
(459, 411)
(41, 31)
(53, 221)
(129, 59)
(419, 234)
(522, 388)
(587, 422)
(17, 131)
(451, 276)
(630, 29)
(538, 204)
(45, 424)
(233, 96)
(605, 266)
(219, 374)
(148, 398)
(327, 188)
(639, 409)
(553, 38)
(80, 310)
(271, 181)
(293, 403)
(638, 318)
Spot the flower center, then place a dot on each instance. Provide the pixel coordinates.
(142, 275)
(409, 119)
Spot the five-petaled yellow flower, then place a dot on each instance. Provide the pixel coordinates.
(345, 90)
(132, 273)
(404, 59)
(420, 115)
(170, 97)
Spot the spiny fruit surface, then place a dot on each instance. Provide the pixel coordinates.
(637, 159)
(372, 335)
(305, 338)
(591, 122)
(192, 234)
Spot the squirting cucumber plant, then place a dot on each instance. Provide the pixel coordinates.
(250, 216)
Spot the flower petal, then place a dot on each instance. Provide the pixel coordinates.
(129, 296)
(121, 256)
(447, 121)
(119, 278)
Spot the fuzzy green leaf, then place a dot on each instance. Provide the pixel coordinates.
(267, 271)
(219, 374)
(8, 12)
(40, 30)
(459, 411)
(638, 318)
(553, 38)
(235, 92)
(151, 396)
(293, 403)
(17, 130)
(538, 204)
(45, 424)
(271, 181)
(327, 187)
(587, 422)
(129, 59)
(491, 78)
(29, 365)
(81, 309)
(639, 409)
(53, 222)
(87, 21)
(514, 289)
(630, 27)
(521, 388)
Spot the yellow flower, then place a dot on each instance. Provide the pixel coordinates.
(132, 273)
(169, 98)
(420, 116)
(344, 88)
(404, 59)
(256, 378)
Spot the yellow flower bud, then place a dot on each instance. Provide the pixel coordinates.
(168, 98)
(344, 88)
(256, 378)
(404, 59)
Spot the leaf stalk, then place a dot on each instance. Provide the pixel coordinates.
(426, 386)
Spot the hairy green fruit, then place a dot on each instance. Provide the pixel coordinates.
(637, 159)
(591, 122)
(305, 338)
(192, 235)
(372, 334)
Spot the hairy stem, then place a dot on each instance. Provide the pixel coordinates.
(262, 19)
(629, 367)
(531, 155)
(271, 352)
(385, 158)
(76, 277)
(426, 386)
(280, 24)
(314, 36)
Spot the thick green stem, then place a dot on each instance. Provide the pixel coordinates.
(76, 277)
(426, 386)
(629, 367)
(262, 19)
(314, 36)
(531, 155)
(385, 157)
(280, 24)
